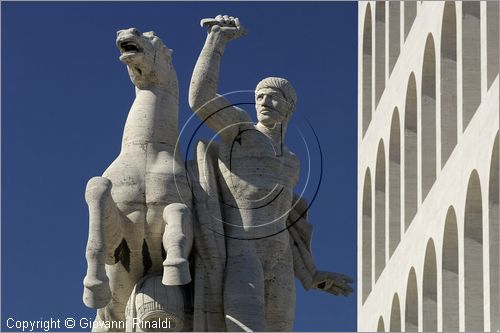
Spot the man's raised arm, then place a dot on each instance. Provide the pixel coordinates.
(212, 108)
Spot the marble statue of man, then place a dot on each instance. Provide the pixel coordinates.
(256, 174)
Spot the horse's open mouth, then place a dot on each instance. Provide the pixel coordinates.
(129, 47)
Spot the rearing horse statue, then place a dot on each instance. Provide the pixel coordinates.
(139, 210)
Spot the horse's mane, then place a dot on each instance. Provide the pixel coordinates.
(159, 46)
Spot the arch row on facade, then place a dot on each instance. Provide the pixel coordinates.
(418, 135)
(385, 29)
(380, 16)
(417, 125)
(434, 290)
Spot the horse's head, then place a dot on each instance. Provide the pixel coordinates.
(148, 60)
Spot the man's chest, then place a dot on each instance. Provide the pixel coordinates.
(254, 158)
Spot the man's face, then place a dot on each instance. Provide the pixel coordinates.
(271, 106)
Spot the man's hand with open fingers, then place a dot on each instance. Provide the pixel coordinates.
(334, 283)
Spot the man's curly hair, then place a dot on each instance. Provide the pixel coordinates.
(282, 85)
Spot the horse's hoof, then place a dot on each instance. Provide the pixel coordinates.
(96, 294)
(176, 272)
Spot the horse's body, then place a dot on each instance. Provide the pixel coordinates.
(139, 208)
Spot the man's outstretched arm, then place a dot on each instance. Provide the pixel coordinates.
(213, 109)
(303, 262)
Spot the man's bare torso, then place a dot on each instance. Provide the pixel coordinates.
(258, 180)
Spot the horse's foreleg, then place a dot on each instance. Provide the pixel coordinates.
(177, 241)
(103, 231)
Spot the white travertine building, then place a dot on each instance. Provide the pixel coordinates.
(428, 185)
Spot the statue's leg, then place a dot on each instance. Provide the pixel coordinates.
(122, 283)
(177, 242)
(244, 306)
(124, 268)
(280, 297)
(103, 234)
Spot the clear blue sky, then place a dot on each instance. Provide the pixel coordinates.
(65, 97)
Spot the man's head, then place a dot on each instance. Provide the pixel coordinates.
(275, 100)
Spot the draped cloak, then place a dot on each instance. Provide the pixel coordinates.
(209, 250)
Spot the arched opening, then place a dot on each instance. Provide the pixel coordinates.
(448, 82)
(411, 307)
(366, 240)
(428, 117)
(410, 12)
(410, 166)
(471, 59)
(473, 256)
(394, 33)
(367, 69)
(494, 216)
(379, 50)
(492, 33)
(394, 183)
(450, 273)
(395, 324)
(380, 211)
(380, 325)
(429, 289)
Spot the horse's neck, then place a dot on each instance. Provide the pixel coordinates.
(153, 119)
